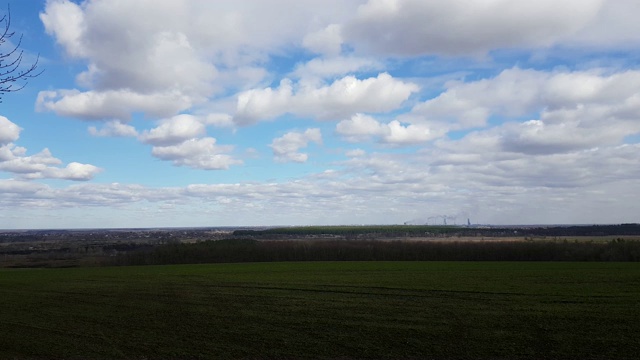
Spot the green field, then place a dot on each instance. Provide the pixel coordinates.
(443, 310)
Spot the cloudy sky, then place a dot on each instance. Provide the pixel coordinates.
(286, 112)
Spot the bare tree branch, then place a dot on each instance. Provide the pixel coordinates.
(13, 76)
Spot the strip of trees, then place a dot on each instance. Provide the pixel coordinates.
(249, 250)
(435, 231)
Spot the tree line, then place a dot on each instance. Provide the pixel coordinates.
(251, 250)
(437, 231)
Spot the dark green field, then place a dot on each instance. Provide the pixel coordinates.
(443, 310)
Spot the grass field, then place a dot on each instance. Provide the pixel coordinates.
(447, 310)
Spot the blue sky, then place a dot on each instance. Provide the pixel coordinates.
(227, 113)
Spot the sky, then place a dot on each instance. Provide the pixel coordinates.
(179, 113)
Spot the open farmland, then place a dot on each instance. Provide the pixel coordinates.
(450, 310)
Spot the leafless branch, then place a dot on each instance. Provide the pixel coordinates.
(13, 76)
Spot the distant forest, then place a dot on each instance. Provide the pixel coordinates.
(434, 231)
(250, 250)
(367, 243)
(66, 248)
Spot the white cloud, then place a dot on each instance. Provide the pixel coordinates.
(462, 105)
(173, 131)
(9, 131)
(259, 104)
(14, 187)
(42, 165)
(537, 137)
(327, 41)
(241, 78)
(458, 27)
(73, 171)
(112, 104)
(114, 128)
(355, 153)
(157, 71)
(361, 128)
(198, 154)
(546, 146)
(184, 53)
(574, 109)
(342, 98)
(169, 62)
(615, 25)
(573, 168)
(13, 159)
(101, 32)
(286, 148)
(335, 66)
(65, 20)
(179, 139)
(17, 163)
(597, 185)
(407, 135)
(218, 120)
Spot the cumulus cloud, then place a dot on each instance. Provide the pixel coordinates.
(417, 27)
(73, 171)
(364, 128)
(173, 131)
(9, 131)
(198, 154)
(614, 26)
(98, 31)
(556, 132)
(172, 62)
(157, 71)
(360, 127)
(65, 20)
(327, 41)
(406, 134)
(286, 148)
(572, 168)
(500, 186)
(469, 104)
(575, 109)
(111, 104)
(181, 139)
(113, 128)
(342, 98)
(14, 159)
(179, 58)
(42, 165)
(218, 120)
(537, 137)
(384, 188)
(335, 66)
(355, 153)
(562, 141)
(19, 187)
